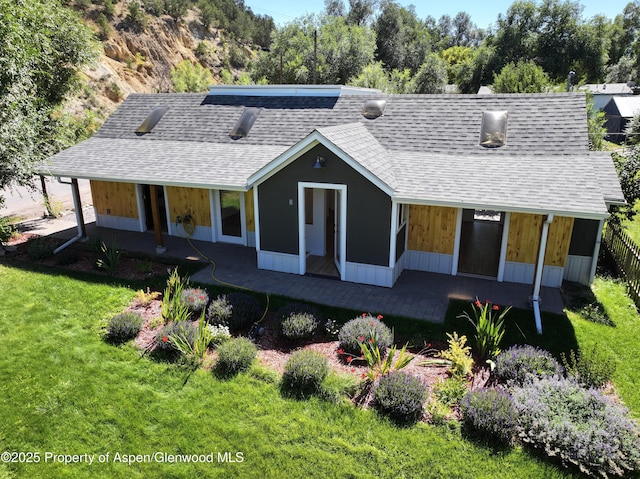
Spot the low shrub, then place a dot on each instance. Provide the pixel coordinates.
(521, 363)
(196, 299)
(363, 329)
(235, 355)
(581, 427)
(592, 368)
(40, 248)
(219, 311)
(458, 356)
(450, 391)
(185, 329)
(297, 321)
(490, 414)
(304, 372)
(219, 334)
(235, 310)
(401, 397)
(124, 327)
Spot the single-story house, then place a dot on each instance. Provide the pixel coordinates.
(618, 112)
(359, 184)
(604, 92)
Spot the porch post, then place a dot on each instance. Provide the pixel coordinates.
(157, 226)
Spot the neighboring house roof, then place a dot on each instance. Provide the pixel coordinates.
(485, 90)
(424, 148)
(607, 88)
(626, 106)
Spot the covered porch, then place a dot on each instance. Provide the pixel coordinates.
(416, 294)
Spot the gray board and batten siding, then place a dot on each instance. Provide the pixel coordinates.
(368, 208)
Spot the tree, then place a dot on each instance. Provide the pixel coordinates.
(523, 77)
(374, 76)
(477, 70)
(454, 58)
(176, 9)
(343, 51)
(334, 8)
(402, 40)
(360, 11)
(190, 77)
(432, 75)
(42, 46)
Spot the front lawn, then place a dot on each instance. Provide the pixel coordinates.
(64, 391)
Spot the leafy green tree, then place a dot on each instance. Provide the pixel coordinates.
(402, 40)
(343, 51)
(176, 9)
(432, 75)
(42, 45)
(372, 76)
(515, 37)
(477, 70)
(190, 77)
(454, 58)
(360, 11)
(595, 125)
(523, 77)
(334, 8)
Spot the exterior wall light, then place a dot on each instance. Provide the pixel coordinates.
(319, 162)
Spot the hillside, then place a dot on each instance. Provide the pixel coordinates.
(137, 56)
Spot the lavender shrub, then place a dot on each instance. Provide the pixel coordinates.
(518, 364)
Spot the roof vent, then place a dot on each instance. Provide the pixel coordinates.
(152, 120)
(494, 129)
(373, 109)
(244, 123)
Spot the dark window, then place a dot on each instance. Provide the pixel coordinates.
(583, 238)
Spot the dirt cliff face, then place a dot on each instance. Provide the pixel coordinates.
(139, 58)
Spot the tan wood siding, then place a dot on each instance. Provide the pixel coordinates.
(248, 207)
(114, 199)
(558, 241)
(524, 237)
(432, 229)
(193, 201)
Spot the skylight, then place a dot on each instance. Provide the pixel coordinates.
(244, 123)
(373, 108)
(152, 120)
(494, 129)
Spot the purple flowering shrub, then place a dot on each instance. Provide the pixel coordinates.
(401, 397)
(304, 372)
(519, 363)
(581, 427)
(490, 414)
(361, 330)
(234, 310)
(297, 320)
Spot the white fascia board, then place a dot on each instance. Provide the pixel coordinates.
(146, 181)
(293, 153)
(496, 207)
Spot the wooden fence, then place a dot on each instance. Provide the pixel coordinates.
(626, 255)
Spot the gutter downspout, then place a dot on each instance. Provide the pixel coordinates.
(537, 282)
(596, 252)
(77, 205)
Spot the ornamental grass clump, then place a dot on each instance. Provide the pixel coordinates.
(297, 321)
(580, 427)
(519, 364)
(304, 372)
(363, 329)
(123, 327)
(401, 397)
(235, 355)
(196, 299)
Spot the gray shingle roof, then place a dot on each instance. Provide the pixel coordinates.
(424, 147)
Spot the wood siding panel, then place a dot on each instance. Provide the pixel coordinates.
(524, 237)
(114, 199)
(558, 242)
(248, 207)
(432, 229)
(193, 201)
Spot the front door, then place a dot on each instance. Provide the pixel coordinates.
(162, 208)
(480, 242)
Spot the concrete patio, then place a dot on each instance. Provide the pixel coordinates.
(416, 294)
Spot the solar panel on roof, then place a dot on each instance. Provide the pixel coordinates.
(152, 120)
(493, 133)
(373, 108)
(244, 123)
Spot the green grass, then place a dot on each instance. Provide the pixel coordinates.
(632, 226)
(65, 391)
